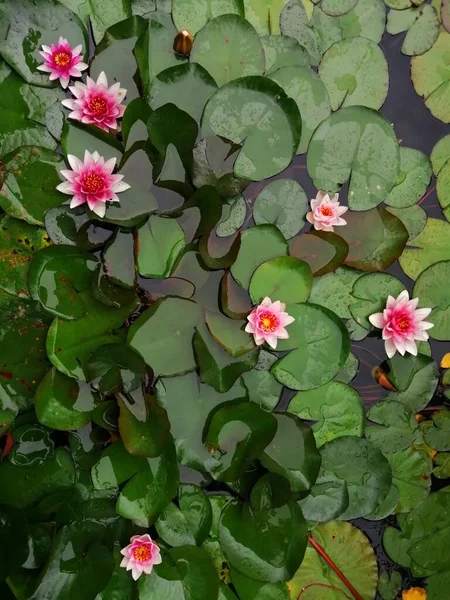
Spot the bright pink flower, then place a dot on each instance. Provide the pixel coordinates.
(95, 103)
(92, 182)
(402, 323)
(326, 212)
(140, 555)
(62, 61)
(267, 322)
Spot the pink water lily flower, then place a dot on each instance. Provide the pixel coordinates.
(62, 61)
(95, 103)
(402, 323)
(92, 182)
(326, 212)
(140, 555)
(267, 322)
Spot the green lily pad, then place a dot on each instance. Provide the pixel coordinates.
(293, 453)
(154, 49)
(359, 144)
(295, 23)
(333, 291)
(324, 251)
(336, 407)
(430, 74)
(389, 585)
(438, 436)
(303, 85)
(193, 16)
(70, 343)
(321, 346)
(235, 435)
(161, 240)
(76, 138)
(233, 216)
(262, 388)
(335, 8)
(358, 563)
(267, 545)
(119, 259)
(414, 218)
(238, 51)
(30, 177)
(442, 189)
(264, 15)
(151, 483)
(366, 19)
(187, 574)
(32, 446)
(25, 109)
(189, 86)
(254, 110)
(365, 470)
(14, 540)
(283, 51)
(63, 403)
(284, 203)
(327, 500)
(134, 122)
(163, 333)
(19, 241)
(229, 334)
(396, 427)
(116, 367)
(369, 295)
(421, 24)
(440, 154)
(258, 245)
(432, 290)
(431, 246)
(114, 54)
(286, 279)
(28, 26)
(57, 276)
(188, 419)
(376, 238)
(355, 72)
(415, 175)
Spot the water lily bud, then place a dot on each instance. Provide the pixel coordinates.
(183, 42)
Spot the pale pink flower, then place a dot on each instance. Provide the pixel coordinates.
(95, 103)
(140, 555)
(267, 322)
(402, 323)
(62, 61)
(326, 212)
(92, 181)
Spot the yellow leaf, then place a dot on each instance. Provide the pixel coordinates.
(445, 362)
(382, 379)
(414, 594)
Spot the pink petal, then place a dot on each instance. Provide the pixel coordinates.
(390, 348)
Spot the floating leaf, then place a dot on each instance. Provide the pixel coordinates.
(234, 212)
(192, 16)
(335, 8)
(63, 403)
(134, 122)
(188, 419)
(116, 367)
(389, 585)
(292, 453)
(162, 335)
(358, 563)
(333, 291)
(283, 51)
(432, 290)
(255, 111)
(327, 500)
(294, 22)
(336, 407)
(303, 85)
(414, 218)
(397, 428)
(161, 240)
(415, 175)
(365, 470)
(366, 19)
(429, 247)
(422, 25)
(284, 203)
(438, 437)
(369, 295)
(262, 388)
(324, 251)
(286, 279)
(355, 72)
(356, 143)
(77, 138)
(429, 74)
(182, 83)
(321, 347)
(56, 278)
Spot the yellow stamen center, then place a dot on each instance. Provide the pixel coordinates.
(268, 322)
(326, 211)
(98, 104)
(94, 183)
(142, 553)
(403, 323)
(62, 59)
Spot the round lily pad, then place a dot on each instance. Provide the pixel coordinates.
(283, 51)
(238, 51)
(433, 291)
(286, 279)
(359, 144)
(233, 216)
(324, 251)
(421, 24)
(284, 203)
(370, 293)
(432, 245)
(335, 8)
(192, 15)
(414, 218)
(255, 111)
(415, 175)
(355, 72)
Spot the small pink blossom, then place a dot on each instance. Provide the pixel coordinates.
(326, 212)
(95, 103)
(62, 61)
(140, 555)
(267, 322)
(92, 182)
(402, 323)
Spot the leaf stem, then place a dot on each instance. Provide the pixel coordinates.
(324, 585)
(426, 195)
(338, 572)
